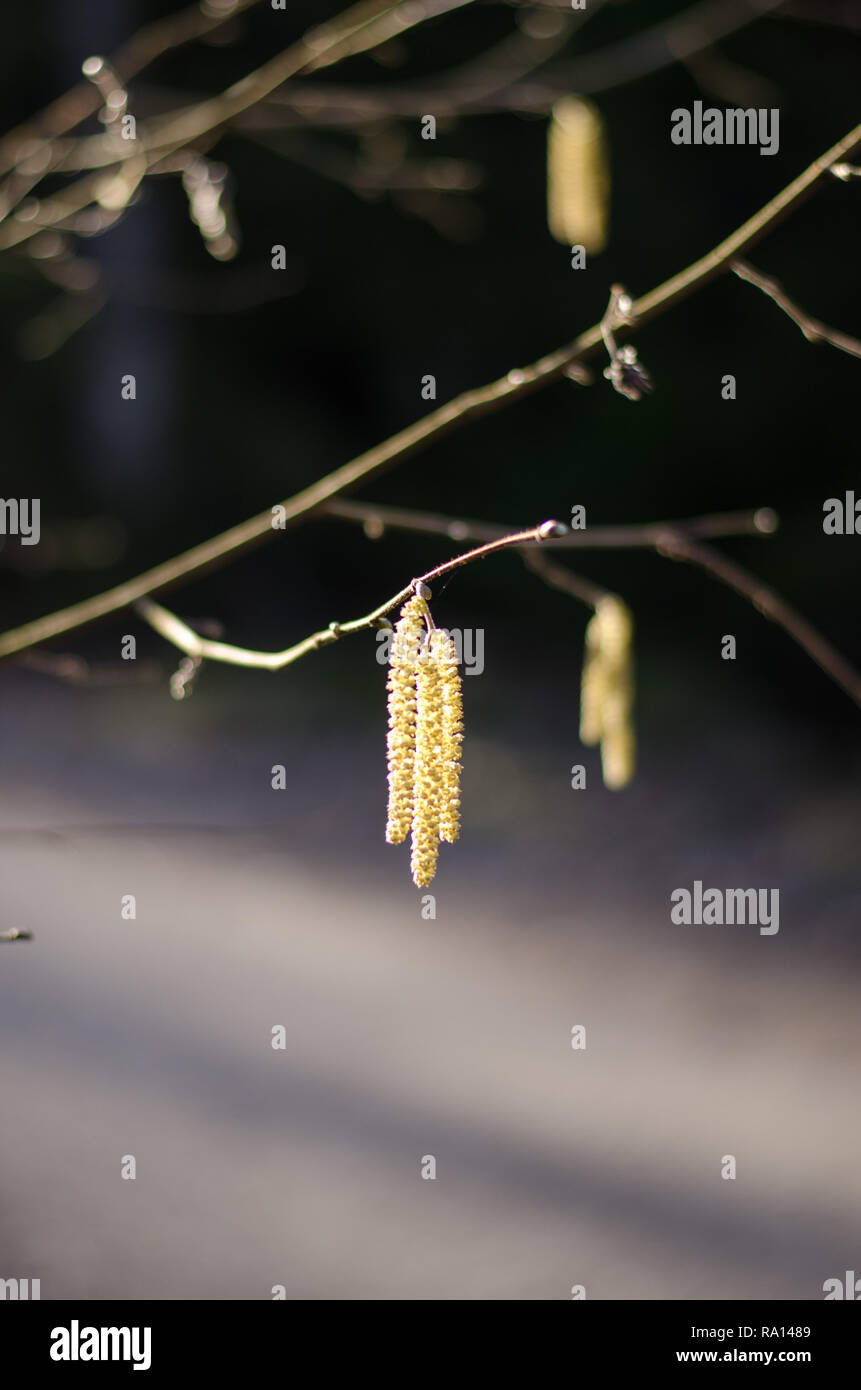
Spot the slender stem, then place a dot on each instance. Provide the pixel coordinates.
(379, 518)
(363, 26)
(148, 44)
(174, 630)
(770, 604)
(694, 30)
(679, 540)
(560, 577)
(813, 329)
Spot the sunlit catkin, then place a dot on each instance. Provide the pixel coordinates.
(401, 742)
(607, 691)
(452, 735)
(428, 782)
(578, 176)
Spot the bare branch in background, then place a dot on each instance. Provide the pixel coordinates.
(467, 90)
(562, 578)
(376, 519)
(359, 28)
(813, 330)
(676, 540)
(471, 405)
(149, 44)
(74, 670)
(771, 605)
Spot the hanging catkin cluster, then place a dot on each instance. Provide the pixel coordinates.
(578, 177)
(425, 734)
(607, 689)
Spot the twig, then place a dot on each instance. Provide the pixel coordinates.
(673, 540)
(649, 535)
(74, 670)
(174, 630)
(560, 577)
(813, 330)
(468, 406)
(628, 376)
(770, 604)
(363, 26)
(676, 540)
(677, 39)
(83, 100)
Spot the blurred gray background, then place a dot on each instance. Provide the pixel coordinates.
(408, 1037)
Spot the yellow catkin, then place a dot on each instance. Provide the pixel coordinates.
(452, 736)
(427, 789)
(592, 686)
(401, 741)
(607, 692)
(578, 176)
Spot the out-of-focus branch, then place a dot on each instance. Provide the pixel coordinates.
(468, 406)
(468, 89)
(147, 45)
(562, 578)
(675, 540)
(766, 601)
(361, 27)
(813, 330)
(376, 519)
(89, 286)
(74, 670)
(358, 29)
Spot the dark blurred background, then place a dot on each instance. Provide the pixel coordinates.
(410, 1037)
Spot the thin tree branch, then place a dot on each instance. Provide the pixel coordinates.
(766, 601)
(673, 540)
(74, 670)
(147, 45)
(174, 630)
(676, 540)
(562, 578)
(361, 27)
(813, 330)
(468, 406)
(650, 535)
(677, 39)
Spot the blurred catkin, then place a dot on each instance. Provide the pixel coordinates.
(401, 742)
(607, 690)
(578, 175)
